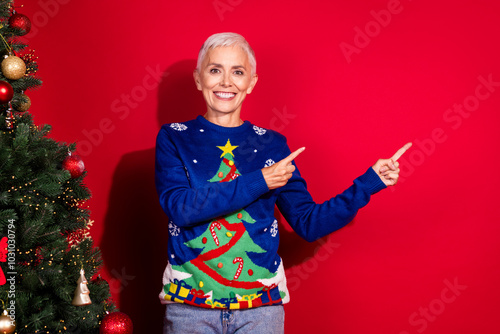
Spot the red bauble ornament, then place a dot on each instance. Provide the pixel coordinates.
(116, 323)
(74, 164)
(21, 22)
(6, 92)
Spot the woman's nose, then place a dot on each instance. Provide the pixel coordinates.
(226, 80)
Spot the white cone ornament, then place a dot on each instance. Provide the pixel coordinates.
(82, 292)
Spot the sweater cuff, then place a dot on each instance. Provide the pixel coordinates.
(372, 181)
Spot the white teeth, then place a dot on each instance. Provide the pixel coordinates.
(225, 95)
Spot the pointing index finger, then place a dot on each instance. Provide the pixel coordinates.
(401, 151)
(293, 155)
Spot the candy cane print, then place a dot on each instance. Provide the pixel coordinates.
(240, 266)
(212, 230)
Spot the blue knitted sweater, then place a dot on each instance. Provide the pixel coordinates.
(224, 238)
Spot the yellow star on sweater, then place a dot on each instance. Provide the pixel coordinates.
(228, 148)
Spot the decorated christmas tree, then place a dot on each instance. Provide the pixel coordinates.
(46, 252)
(222, 262)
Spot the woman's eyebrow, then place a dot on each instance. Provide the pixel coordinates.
(220, 65)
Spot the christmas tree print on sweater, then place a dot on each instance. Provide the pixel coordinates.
(223, 275)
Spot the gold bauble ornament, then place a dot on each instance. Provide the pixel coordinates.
(7, 325)
(22, 104)
(13, 68)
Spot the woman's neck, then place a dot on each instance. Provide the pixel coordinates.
(226, 120)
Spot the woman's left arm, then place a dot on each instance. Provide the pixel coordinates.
(313, 221)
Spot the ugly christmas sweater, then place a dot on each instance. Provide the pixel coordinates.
(223, 237)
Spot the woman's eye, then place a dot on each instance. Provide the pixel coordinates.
(238, 72)
(214, 70)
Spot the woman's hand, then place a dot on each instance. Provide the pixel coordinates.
(388, 169)
(278, 174)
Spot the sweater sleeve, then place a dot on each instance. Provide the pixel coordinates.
(188, 206)
(313, 221)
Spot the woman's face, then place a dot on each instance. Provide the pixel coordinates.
(225, 79)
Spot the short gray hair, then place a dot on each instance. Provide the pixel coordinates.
(227, 39)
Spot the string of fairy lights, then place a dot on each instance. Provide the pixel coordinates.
(64, 326)
(44, 200)
(69, 200)
(33, 198)
(55, 259)
(75, 261)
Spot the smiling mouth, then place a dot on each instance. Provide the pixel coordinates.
(225, 95)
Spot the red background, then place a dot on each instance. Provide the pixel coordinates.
(387, 272)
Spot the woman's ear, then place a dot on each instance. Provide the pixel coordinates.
(196, 76)
(254, 79)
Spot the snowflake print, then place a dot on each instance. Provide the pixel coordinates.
(274, 228)
(269, 163)
(173, 229)
(259, 131)
(178, 126)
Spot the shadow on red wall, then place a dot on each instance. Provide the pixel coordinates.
(134, 243)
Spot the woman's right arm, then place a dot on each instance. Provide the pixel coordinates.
(188, 206)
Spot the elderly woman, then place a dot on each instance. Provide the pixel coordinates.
(218, 179)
